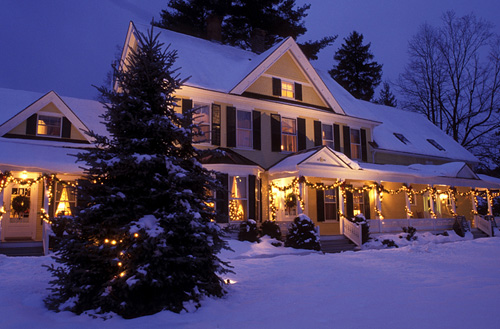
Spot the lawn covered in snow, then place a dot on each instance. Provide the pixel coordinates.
(421, 285)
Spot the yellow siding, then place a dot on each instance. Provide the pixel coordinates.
(286, 67)
(393, 206)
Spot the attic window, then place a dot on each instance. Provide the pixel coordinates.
(436, 144)
(286, 89)
(402, 138)
(49, 126)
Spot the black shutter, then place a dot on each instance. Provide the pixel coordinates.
(216, 122)
(231, 126)
(256, 130)
(66, 128)
(276, 87)
(318, 135)
(221, 199)
(347, 141)
(298, 91)
(251, 197)
(320, 205)
(336, 138)
(275, 132)
(301, 134)
(349, 206)
(364, 153)
(31, 125)
(187, 104)
(366, 204)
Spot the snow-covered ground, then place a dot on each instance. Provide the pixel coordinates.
(421, 285)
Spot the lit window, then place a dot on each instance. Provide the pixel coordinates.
(290, 205)
(402, 138)
(65, 200)
(286, 89)
(436, 144)
(49, 126)
(244, 129)
(288, 135)
(358, 202)
(328, 135)
(355, 144)
(331, 204)
(201, 117)
(238, 198)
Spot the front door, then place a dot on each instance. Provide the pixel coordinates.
(19, 221)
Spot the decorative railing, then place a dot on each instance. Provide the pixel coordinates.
(485, 224)
(352, 231)
(421, 224)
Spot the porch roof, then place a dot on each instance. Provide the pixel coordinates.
(324, 162)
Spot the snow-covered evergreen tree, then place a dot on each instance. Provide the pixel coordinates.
(145, 241)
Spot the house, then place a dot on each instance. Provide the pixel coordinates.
(293, 142)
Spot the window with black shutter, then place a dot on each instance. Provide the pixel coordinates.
(216, 124)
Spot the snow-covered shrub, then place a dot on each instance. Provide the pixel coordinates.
(389, 243)
(302, 234)
(248, 231)
(61, 226)
(410, 230)
(271, 229)
(365, 226)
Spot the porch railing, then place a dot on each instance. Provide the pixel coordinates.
(352, 231)
(421, 224)
(486, 224)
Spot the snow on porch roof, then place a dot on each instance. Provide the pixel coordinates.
(452, 174)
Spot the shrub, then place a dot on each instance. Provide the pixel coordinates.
(390, 243)
(365, 226)
(248, 231)
(302, 234)
(410, 230)
(271, 229)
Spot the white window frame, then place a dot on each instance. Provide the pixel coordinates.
(49, 114)
(354, 145)
(239, 130)
(328, 142)
(208, 136)
(283, 134)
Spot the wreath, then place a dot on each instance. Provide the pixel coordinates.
(290, 200)
(20, 204)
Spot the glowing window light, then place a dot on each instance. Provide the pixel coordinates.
(63, 207)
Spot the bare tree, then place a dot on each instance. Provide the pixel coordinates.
(453, 77)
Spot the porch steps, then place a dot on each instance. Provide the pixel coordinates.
(16, 249)
(477, 233)
(336, 243)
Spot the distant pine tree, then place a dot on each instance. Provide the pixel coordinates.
(240, 20)
(355, 70)
(145, 241)
(386, 96)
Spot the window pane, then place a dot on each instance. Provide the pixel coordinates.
(328, 132)
(201, 117)
(288, 126)
(286, 89)
(244, 138)
(238, 187)
(330, 211)
(244, 119)
(238, 210)
(358, 202)
(49, 126)
(355, 136)
(289, 143)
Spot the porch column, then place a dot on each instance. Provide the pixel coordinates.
(299, 198)
(432, 204)
(378, 204)
(408, 206)
(489, 200)
(474, 209)
(46, 226)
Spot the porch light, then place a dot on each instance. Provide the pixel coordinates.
(24, 175)
(443, 196)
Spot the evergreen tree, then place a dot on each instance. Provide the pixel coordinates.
(386, 96)
(239, 20)
(355, 70)
(144, 241)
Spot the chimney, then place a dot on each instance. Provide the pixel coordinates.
(214, 28)
(258, 40)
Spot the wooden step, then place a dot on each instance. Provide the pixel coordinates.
(16, 249)
(337, 244)
(477, 233)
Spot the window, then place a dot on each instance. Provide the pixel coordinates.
(291, 205)
(201, 117)
(331, 204)
(355, 144)
(65, 200)
(288, 135)
(358, 202)
(49, 125)
(244, 129)
(327, 135)
(402, 138)
(287, 89)
(238, 198)
(436, 144)
(20, 205)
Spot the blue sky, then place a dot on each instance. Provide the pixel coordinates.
(68, 45)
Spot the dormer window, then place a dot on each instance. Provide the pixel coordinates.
(48, 125)
(288, 89)
(402, 138)
(436, 144)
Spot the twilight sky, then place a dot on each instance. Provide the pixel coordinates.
(68, 45)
